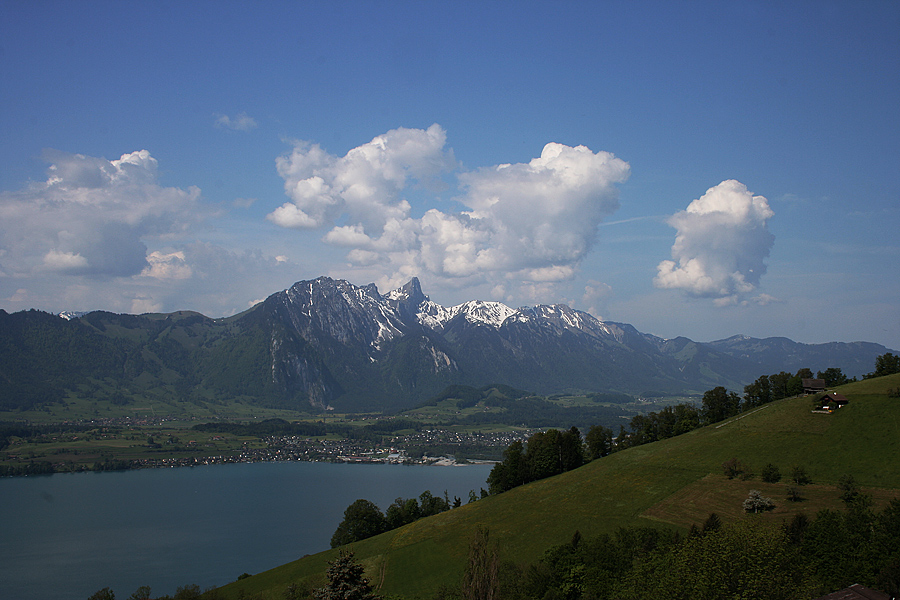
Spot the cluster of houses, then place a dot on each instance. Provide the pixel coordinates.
(826, 402)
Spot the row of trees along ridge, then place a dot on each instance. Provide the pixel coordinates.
(553, 452)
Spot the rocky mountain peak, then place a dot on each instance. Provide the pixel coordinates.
(411, 292)
(408, 300)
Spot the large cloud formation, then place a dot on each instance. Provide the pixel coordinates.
(721, 245)
(79, 240)
(90, 217)
(364, 184)
(526, 222)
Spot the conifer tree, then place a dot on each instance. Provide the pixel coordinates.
(346, 581)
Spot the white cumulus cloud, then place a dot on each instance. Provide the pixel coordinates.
(105, 234)
(721, 245)
(527, 222)
(364, 185)
(543, 215)
(91, 217)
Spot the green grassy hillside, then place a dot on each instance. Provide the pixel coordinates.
(672, 483)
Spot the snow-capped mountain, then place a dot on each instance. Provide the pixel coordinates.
(480, 312)
(329, 343)
(402, 344)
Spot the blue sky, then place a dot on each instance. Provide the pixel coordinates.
(701, 169)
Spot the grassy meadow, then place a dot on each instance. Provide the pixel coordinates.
(671, 483)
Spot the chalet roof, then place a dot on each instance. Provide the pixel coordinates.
(813, 384)
(856, 592)
(837, 398)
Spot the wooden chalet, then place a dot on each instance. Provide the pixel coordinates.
(813, 386)
(835, 400)
(856, 592)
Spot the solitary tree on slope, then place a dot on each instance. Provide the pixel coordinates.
(346, 581)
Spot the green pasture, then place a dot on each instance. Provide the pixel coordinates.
(81, 406)
(122, 443)
(447, 410)
(638, 486)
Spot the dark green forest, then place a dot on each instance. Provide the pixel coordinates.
(803, 558)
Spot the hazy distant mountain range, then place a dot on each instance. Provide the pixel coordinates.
(328, 343)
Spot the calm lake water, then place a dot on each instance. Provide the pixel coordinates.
(65, 536)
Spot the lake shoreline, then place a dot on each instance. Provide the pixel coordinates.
(49, 468)
(170, 527)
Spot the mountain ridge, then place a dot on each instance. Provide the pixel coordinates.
(329, 344)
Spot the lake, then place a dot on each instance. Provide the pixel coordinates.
(67, 535)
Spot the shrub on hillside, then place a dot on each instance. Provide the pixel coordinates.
(799, 475)
(793, 494)
(771, 474)
(757, 503)
(734, 468)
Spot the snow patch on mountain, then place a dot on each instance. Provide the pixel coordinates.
(433, 315)
(489, 313)
(68, 315)
(564, 316)
(482, 312)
